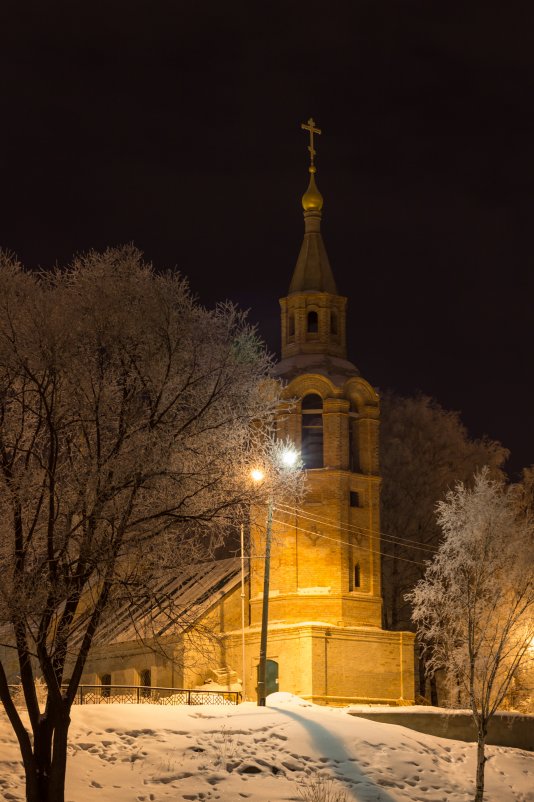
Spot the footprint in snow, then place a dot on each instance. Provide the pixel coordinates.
(137, 733)
(388, 783)
(291, 766)
(249, 768)
(214, 779)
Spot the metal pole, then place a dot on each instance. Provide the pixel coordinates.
(243, 660)
(265, 610)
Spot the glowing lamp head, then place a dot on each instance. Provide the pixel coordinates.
(257, 475)
(289, 458)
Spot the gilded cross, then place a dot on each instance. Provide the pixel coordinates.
(310, 126)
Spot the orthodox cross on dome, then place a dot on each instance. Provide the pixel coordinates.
(310, 126)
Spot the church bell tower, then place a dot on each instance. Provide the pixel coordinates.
(325, 634)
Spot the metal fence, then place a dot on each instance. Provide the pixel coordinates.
(144, 694)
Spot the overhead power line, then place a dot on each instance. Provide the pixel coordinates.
(354, 528)
(347, 543)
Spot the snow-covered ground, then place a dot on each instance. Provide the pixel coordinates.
(148, 753)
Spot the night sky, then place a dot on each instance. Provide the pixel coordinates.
(177, 126)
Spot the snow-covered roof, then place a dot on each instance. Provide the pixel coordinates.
(174, 606)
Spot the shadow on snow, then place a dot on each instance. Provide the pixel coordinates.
(352, 777)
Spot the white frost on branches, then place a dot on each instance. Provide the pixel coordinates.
(474, 609)
(130, 419)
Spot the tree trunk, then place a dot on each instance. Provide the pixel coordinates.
(56, 789)
(434, 691)
(421, 664)
(42, 749)
(45, 779)
(481, 761)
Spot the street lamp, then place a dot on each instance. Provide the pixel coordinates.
(288, 459)
(257, 475)
(262, 667)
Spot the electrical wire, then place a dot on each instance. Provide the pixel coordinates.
(290, 509)
(357, 529)
(346, 543)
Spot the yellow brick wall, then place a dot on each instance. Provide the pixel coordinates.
(331, 665)
(319, 546)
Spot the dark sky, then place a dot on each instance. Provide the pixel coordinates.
(177, 126)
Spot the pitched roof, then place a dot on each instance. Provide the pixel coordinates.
(313, 272)
(174, 606)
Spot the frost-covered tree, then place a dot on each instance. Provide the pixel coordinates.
(475, 606)
(424, 451)
(526, 489)
(130, 417)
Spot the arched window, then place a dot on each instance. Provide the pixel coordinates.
(312, 431)
(313, 322)
(354, 451)
(333, 322)
(291, 326)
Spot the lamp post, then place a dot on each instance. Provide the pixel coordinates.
(262, 668)
(288, 458)
(243, 656)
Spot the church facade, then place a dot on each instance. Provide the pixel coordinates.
(325, 637)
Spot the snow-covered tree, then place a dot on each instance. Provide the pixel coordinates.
(475, 606)
(130, 418)
(424, 451)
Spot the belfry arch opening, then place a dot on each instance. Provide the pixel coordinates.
(312, 431)
(312, 322)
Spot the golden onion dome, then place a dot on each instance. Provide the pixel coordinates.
(312, 200)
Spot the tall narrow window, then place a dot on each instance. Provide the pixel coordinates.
(105, 682)
(333, 322)
(313, 322)
(291, 326)
(145, 680)
(354, 498)
(312, 431)
(357, 575)
(354, 456)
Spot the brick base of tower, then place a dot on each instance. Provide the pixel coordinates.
(332, 665)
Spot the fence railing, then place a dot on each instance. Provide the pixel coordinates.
(144, 694)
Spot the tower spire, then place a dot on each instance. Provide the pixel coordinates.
(312, 271)
(313, 314)
(312, 200)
